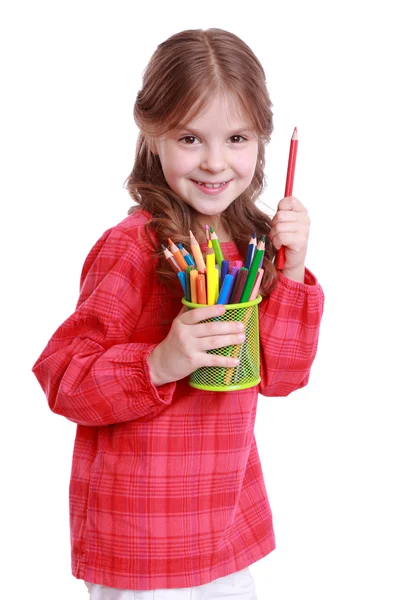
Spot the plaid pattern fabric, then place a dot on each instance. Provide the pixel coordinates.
(166, 487)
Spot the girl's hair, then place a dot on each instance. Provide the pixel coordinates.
(182, 74)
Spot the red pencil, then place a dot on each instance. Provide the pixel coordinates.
(280, 259)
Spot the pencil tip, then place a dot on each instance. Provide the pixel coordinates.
(254, 235)
(263, 238)
(163, 247)
(294, 136)
(170, 241)
(211, 229)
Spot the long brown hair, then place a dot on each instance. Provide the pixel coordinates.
(180, 77)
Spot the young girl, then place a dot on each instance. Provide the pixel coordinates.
(167, 493)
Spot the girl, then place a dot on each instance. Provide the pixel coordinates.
(167, 493)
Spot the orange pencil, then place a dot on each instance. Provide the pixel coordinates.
(171, 260)
(197, 255)
(280, 257)
(193, 287)
(201, 289)
(177, 255)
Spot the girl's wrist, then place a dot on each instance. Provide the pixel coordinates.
(296, 274)
(154, 368)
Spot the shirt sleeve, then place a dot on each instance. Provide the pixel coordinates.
(289, 321)
(90, 372)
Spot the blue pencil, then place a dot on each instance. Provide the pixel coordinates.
(224, 270)
(250, 251)
(226, 290)
(182, 279)
(187, 256)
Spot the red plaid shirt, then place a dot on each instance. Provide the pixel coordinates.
(166, 488)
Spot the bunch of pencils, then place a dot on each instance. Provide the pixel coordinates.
(216, 280)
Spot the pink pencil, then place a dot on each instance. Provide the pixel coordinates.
(256, 286)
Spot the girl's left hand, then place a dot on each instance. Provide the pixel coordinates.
(290, 228)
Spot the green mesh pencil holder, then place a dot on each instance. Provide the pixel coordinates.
(247, 372)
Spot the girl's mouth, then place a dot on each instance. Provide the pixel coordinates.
(211, 188)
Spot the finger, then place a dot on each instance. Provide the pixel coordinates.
(291, 240)
(220, 341)
(291, 203)
(191, 317)
(216, 360)
(284, 216)
(279, 228)
(203, 330)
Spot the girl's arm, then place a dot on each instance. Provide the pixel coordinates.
(289, 325)
(89, 372)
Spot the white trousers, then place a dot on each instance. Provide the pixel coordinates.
(236, 586)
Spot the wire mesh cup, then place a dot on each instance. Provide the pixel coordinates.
(247, 372)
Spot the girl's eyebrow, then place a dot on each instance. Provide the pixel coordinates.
(240, 129)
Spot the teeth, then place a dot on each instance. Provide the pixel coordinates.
(212, 185)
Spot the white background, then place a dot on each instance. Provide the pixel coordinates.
(330, 452)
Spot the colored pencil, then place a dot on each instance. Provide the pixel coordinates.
(170, 258)
(186, 256)
(193, 288)
(182, 279)
(211, 288)
(188, 288)
(237, 349)
(217, 275)
(280, 257)
(251, 248)
(255, 265)
(177, 255)
(219, 257)
(226, 289)
(257, 283)
(239, 286)
(201, 289)
(224, 270)
(234, 272)
(197, 255)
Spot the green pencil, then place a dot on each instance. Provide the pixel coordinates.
(219, 257)
(255, 265)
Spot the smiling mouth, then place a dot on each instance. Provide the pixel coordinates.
(211, 185)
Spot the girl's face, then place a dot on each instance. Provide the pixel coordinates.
(210, 162)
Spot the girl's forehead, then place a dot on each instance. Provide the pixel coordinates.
(223, 110)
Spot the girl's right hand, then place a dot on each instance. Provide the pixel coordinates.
(184, 349)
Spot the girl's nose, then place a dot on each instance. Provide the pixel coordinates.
(214, 160)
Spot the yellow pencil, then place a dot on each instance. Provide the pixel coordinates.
(217, 278)
(210, 259)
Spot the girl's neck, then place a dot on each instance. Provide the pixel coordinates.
(221, 232)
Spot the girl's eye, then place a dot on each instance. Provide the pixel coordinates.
(189, 139)
(237, 139)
